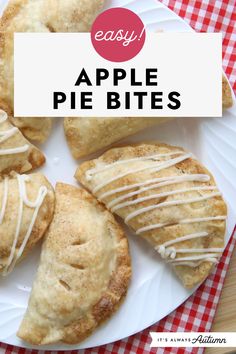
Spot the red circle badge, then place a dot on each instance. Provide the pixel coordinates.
(118, 34)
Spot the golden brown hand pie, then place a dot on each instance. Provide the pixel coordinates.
(88, 135)
(83, 274)
(166, 196)
(27, 204)
(16, 153)
(37, 16)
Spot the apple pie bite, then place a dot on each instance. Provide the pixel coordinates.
(27, 205)
(16, 152)
(88, 135)
(83, 273)
(166, 196)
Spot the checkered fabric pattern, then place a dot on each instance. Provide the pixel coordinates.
(212, 16)
(197, 313)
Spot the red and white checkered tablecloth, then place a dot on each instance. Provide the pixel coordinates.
(212, 16)
(197, 313)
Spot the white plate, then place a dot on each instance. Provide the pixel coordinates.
(154, 290)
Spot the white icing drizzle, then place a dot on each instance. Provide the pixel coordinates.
(160, 195)
(166, 250)
(17, 150)
(170, 203)
(93, 171)
(209, 218)
(183, 221)
(195, 264)
(172, 179)
(198, 250)
(3, 116)
(170, 252)
(23, 200)
(156, 167)
(4, 199)
(6, 134)
(212, 256)
(184, 238)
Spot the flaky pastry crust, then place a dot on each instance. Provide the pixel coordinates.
(168, 219)
(9, 222)
(22, 162)
(88, 135)
(37, 16)
(83, 274)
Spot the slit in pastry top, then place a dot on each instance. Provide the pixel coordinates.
(23, 200)
(167, 250)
